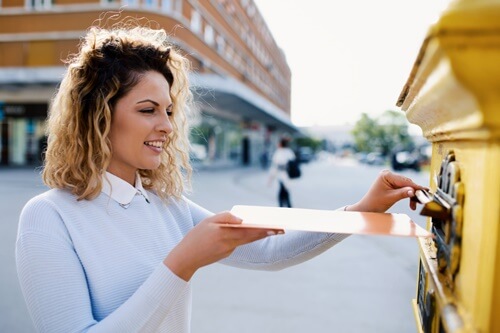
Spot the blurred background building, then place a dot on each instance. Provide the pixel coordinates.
(242, 81)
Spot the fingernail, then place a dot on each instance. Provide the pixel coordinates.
(280, 232)
(271, 233)
(410, 193)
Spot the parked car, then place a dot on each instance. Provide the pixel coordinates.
(361, 157)
(405, 160)
(375, 158)
(305, 154)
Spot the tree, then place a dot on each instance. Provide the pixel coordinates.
(364, 132)
(307, 141)
(394, 132)
(383, 134)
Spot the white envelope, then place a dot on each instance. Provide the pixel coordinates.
(331, 221)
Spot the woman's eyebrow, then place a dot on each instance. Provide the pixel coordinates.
(148, 100)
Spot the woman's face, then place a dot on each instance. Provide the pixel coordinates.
(140, 126)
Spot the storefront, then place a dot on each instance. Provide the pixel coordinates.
(237, 126)
(228, 142)
(22, 133)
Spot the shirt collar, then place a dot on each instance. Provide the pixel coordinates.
(121, 191)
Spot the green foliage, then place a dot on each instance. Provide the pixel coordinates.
(306, 141)
(382, 134)
(363, 132)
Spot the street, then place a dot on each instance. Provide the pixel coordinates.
(364, 284)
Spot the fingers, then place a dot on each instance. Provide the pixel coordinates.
(251, 235)
(228, 218)
(408, 187)
(413, 205)
(407, 192)
(401, 193)
(238, 236)
(397, 180)
(225, 217)
(243, 235)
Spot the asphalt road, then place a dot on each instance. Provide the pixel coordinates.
(364, 284)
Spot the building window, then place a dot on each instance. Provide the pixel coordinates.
(178, 6)
(150, 3)
(195, 21)
(251, 11)
(39, 4)
(221, 43)
(129, 3)
(166, 6)
(229, 54)
(209, 34)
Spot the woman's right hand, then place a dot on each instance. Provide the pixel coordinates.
(210, 242)
(385, 191)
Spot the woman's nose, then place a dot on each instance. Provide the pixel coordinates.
(164, 124)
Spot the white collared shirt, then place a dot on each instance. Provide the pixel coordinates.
(121, 191)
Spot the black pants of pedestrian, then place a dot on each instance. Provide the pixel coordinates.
(284, 196)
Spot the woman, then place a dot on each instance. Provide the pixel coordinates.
(112, 246)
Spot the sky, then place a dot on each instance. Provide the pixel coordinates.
(348, 57)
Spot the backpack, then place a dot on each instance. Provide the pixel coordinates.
(293, 169)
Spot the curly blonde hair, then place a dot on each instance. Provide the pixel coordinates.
(109, 64)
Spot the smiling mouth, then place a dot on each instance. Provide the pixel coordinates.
(156, 144)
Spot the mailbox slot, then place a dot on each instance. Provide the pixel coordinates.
(440, 258)
(445, 209)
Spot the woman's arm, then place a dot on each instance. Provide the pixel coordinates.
(296, 247)
(208, 242)
(55, 285)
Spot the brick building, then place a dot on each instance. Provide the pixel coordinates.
(242, 81)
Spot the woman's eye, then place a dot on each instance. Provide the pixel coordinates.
(170, 113)
(148, 110)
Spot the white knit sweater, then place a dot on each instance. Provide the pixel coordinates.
(96, 265)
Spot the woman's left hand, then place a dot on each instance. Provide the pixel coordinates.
(387, 189)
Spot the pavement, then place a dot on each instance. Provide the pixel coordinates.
(364, 284)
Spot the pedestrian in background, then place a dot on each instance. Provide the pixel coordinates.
(279, 163)
(113, 245)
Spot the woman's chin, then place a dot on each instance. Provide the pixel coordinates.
(151, 165)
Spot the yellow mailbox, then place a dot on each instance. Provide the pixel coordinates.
(453, 94)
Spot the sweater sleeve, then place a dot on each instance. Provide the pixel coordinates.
(198, 213)
(282, 251)
(55, 287)
(275, 252)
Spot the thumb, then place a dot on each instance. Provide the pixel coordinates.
(226, 217)
(404, 192)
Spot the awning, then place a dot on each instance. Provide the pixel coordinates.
(229, 95)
